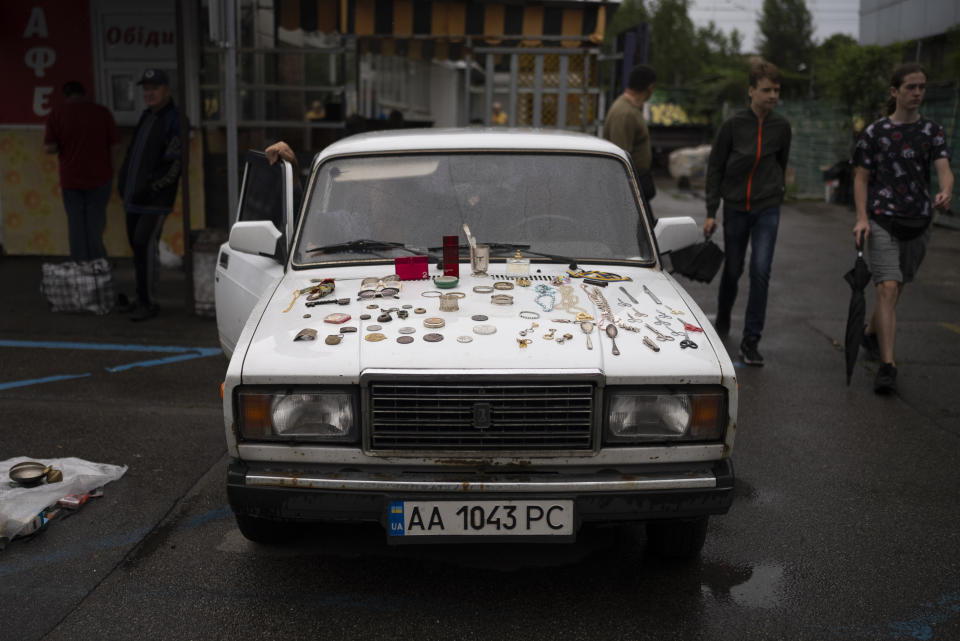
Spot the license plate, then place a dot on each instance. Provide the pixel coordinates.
(481, 518)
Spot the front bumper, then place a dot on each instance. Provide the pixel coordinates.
(322, 493)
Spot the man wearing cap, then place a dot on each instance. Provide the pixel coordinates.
(148, 183)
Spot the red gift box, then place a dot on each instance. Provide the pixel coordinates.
(412, 267)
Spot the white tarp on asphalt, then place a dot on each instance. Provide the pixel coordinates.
(20, 505)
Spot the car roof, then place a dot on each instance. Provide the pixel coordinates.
(473, 138)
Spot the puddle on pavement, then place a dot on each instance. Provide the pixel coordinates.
(756, 587)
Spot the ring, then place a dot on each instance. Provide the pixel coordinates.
(455, 295)
(501, 299)
(483, 289)
(432, 293)
(503, 284)
(529, 315)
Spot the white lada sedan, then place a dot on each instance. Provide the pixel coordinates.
(468, 335)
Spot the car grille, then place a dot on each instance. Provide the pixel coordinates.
(483, 416)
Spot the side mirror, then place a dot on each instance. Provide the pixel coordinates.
(257, 237)
(676, 233)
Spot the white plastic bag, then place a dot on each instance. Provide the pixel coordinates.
(20, 505)
(83, 286)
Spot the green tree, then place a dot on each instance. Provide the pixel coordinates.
(673, 50)
(785, 35)
(858, 77)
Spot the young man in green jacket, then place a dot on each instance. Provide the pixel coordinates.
(746, 170)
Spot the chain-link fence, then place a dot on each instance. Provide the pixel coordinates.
(823, 136)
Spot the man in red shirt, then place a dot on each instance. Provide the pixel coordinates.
(83, 134)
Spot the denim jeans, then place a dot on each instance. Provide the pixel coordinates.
(86, 220)
(759, 230)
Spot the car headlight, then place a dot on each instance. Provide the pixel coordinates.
(666, 414)
(297, 415)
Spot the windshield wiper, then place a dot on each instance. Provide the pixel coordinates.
(499, 247)
(361, 245)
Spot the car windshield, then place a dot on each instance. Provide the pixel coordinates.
(579, 206)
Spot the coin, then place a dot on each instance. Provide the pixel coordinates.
(306, 315)
(375, 337)
(433, 338)
(484, 329)
(434, 322)
(464, 339)
(407, 306)
(364, 316)
(404, 340)
(373, 306)
(479, 318)
(374, 328)
(347, 330)
(333, 339)
(407, 330)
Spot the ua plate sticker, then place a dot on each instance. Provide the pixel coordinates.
(481, 518)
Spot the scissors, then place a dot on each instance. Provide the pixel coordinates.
(686, 342)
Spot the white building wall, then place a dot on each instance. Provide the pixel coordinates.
(884, 22)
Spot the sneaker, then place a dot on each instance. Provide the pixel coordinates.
(722, 326)
(871, 346)
(886, 380)
(144, 312)
(749, 353)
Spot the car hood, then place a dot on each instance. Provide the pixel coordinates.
(273, 356)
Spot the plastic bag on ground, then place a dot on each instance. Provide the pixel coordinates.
(19, 505)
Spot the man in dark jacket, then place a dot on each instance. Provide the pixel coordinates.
(148, 183)
(746, 170)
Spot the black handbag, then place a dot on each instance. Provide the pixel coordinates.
(699, 262)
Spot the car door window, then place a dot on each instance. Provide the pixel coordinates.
(262, 196)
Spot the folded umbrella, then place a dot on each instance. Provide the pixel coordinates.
(699, 262)
(857, 278)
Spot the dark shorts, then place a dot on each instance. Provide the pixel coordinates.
(893, 259)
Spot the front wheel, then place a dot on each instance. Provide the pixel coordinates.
(677, 538)
(265, 531)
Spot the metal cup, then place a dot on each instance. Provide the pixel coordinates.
(480, 260)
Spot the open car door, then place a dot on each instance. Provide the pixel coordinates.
(243, 277)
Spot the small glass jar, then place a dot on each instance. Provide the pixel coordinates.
(518, 264)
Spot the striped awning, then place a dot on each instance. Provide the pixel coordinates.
(494, 23)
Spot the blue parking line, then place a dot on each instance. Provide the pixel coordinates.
(106, 347)
(182, 353)
(200, 353)
(35, 381)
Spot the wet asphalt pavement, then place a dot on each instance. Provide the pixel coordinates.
(844, 524)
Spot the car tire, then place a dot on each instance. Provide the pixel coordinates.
(677, 538)
(264, 531)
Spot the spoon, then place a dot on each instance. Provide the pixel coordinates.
(612, 333)
(587, 328)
